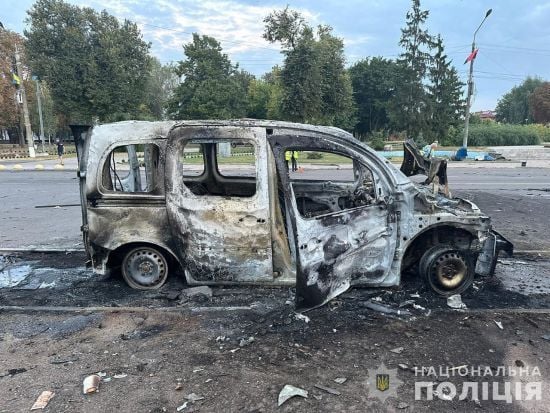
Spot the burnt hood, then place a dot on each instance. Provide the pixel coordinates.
(414, 163)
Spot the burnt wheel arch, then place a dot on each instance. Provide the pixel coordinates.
(116, 256)
(430, 237)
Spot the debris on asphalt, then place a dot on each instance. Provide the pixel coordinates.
(179, 386)
(43, 400)
(13, 372)
(246, 341)
(499, 325)
(91, 384)
(193, 397)
(327, 389)
(200, 293)
(546, 337)
(120, 376)
(455, 301)
(302, 317)
(519, 363)
(402, 405)
(183, 406)
(340, 380)
(397, 350)
(385, 309)
(403, 366)
(290, 391)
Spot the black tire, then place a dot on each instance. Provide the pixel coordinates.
(145, 268)
(447, 270)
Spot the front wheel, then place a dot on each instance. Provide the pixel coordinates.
(144, 268)
(447, 270)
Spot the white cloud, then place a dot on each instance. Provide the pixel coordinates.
(168, 24)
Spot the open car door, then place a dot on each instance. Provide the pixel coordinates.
(341, 226)
(414, 163)
(81, 135)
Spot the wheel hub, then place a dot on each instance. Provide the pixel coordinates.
(146, 267)
(450, 270)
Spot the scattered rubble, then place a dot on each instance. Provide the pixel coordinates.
(340, 380)
(246, 341)
(201, 293)
(193, 397)
(290, 391)
(43, 400)
(91, 384)
(455, 301)
(328, 389)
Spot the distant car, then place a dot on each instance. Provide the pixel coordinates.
(157, 196)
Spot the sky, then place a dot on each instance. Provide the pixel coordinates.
(514, 42)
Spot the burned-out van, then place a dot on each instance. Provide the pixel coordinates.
(218, 202)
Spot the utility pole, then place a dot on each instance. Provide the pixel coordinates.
(471, 87)
(26, 118)
(39, 101)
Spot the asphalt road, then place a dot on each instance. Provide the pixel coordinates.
(23, 225)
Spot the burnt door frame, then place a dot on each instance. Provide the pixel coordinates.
(335, 248)
(220, 239)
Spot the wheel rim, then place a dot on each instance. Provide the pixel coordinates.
(146, 267)
(449, 270)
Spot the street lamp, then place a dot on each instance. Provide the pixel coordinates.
(471, 87)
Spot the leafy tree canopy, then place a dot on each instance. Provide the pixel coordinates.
(211, 86)
(95, 66)
(513, 107)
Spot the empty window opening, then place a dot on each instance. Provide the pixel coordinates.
(326, 182)
(132, 168)
(219, 167)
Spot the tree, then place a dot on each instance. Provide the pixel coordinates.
(374, 83)
(259, 94)
(284, 26)
(409, 109)
(9, 111)
(95, 66)
(513, 107)
(315, 87)
(161, 82)
(446, 103)
(336, 91)
(301, 81)
(539, 102)
(211, 87)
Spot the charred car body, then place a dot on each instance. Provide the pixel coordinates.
(160, 196)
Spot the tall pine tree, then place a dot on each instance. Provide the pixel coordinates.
(445, 92)
(409, 108)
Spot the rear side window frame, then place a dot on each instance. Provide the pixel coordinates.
(158, 185)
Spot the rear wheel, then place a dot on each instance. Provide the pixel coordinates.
(447, 270)
(145, 268)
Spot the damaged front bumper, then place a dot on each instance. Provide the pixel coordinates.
(488, 256)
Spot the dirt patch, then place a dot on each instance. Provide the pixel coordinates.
(202, 352)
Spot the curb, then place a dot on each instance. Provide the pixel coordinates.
(34, 168)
